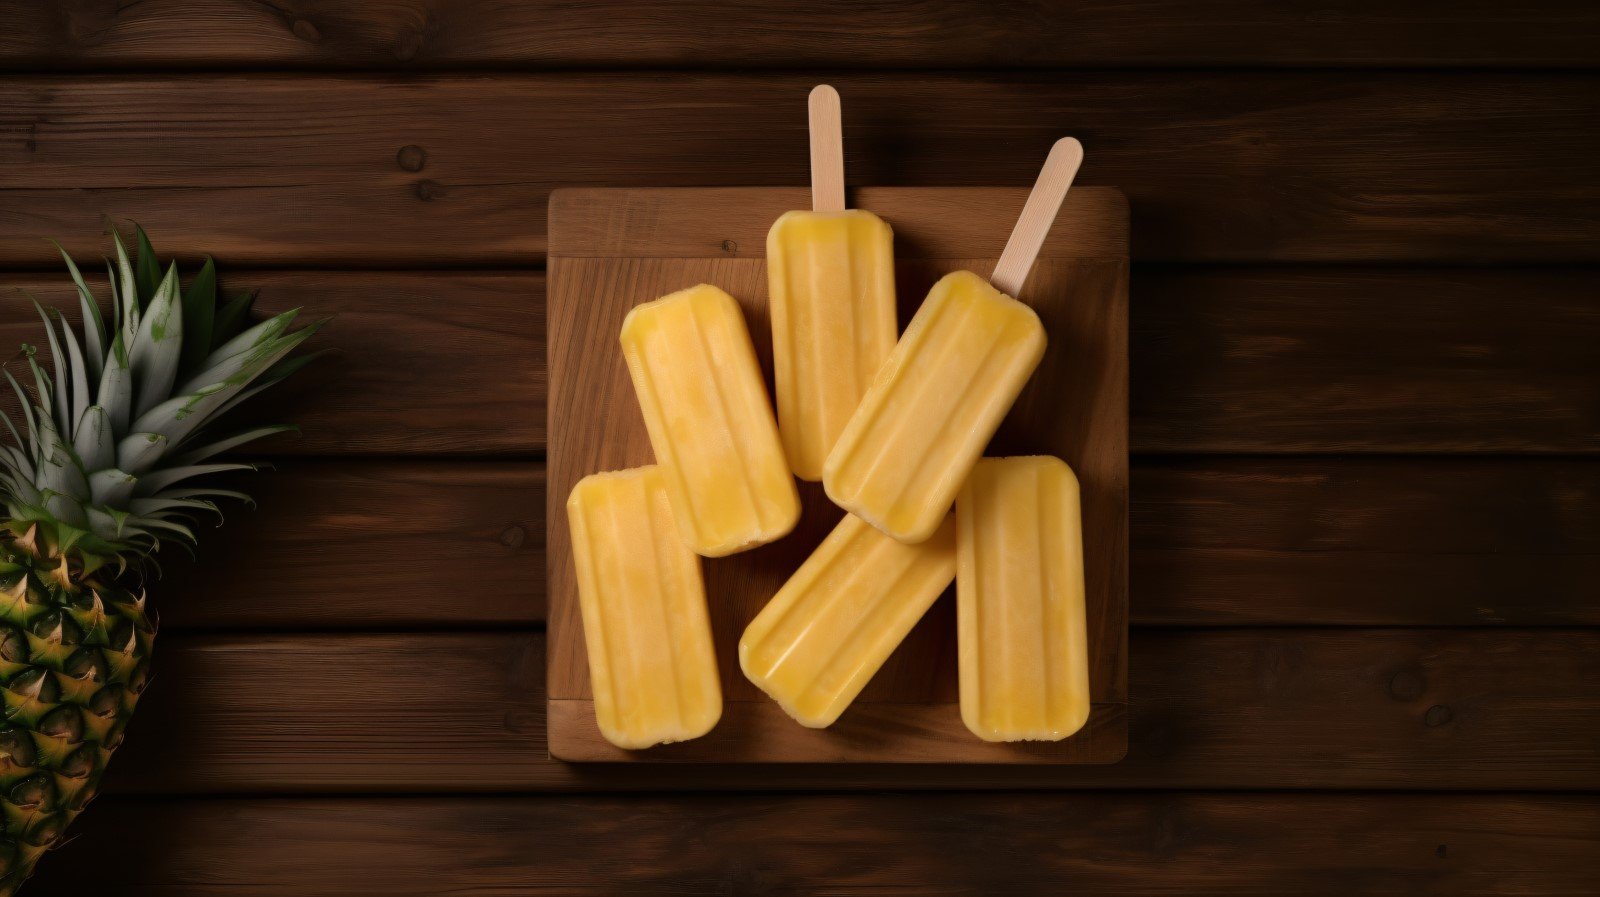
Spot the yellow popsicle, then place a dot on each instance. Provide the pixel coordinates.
(829, 629)
(1022, 636)
(710, 422)
(933, 407)
(651, 663)
(830, 279)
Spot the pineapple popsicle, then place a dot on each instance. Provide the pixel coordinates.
(953, 375)
(705, 406)
(830, 279)
(830, 628)
(1020, 628)
(651, 662)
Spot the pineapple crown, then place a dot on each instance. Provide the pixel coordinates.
(115, 436)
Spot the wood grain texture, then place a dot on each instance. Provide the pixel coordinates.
(1075, 407)
(1340, 360)
(1215, 542)
(372, 545)
(454, 171)
(1225, 359)
(1353, 541)
(417, 363)
(1255, 709)
(1211, 844)
(941, 34)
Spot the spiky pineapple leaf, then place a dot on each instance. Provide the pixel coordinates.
(43, 389)
(138, 452)
(216, 448)
(231, 318)
(274, 375)
(153, 355)
(63, 403)
(241, 352)
(94, 326)
(81, 398)
(161, 479)
(147, 507)
(127, 295)
(180, 416)
(199, 312)
(149, 268)
(27, 413)
(93, 440)
(212, 491)
(249, 339)
(116, 386)
(111, 488)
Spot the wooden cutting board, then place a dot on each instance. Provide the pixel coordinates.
(613, 249)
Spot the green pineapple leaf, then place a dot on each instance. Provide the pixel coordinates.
(231, 318)
(94, 327)
(149, 268)
(199, 311)
(153, 355)
(127, 293)
(111, 461)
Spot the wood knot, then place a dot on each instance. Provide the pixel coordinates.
(513, 536)
(306, 31)
(1406, 685)
(411, 157)
(730, 247)
(1438, 715)
(428, 191)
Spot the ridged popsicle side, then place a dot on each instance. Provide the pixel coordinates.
(651, 663)
(830, 282)
(1020, 626)
(933, 407)
(830, 628)
(710, 421)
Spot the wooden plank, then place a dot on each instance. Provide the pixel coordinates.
(372, 545)
(1076, 408)
(435, 34)
(1259, 709)
(425, 363)
(1353, 541)
(1223, 844)
(937, 223)
(1340, 360)
(1254, 542)
(1224, 359)
(1293, 166)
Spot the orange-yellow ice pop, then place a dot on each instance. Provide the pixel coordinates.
(644, 612)
(833, 624)
(955, 372)
(705, 406)
(830, 279)
(1020, 626)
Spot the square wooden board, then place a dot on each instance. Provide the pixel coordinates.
(611, 249)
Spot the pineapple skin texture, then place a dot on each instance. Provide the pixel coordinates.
(74, 658)
(109, 462)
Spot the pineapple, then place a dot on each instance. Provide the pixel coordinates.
(104, 469)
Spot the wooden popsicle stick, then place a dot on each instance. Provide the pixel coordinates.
(827, 151)
(1033, 225)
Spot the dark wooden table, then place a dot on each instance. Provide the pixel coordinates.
(1366, 407)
